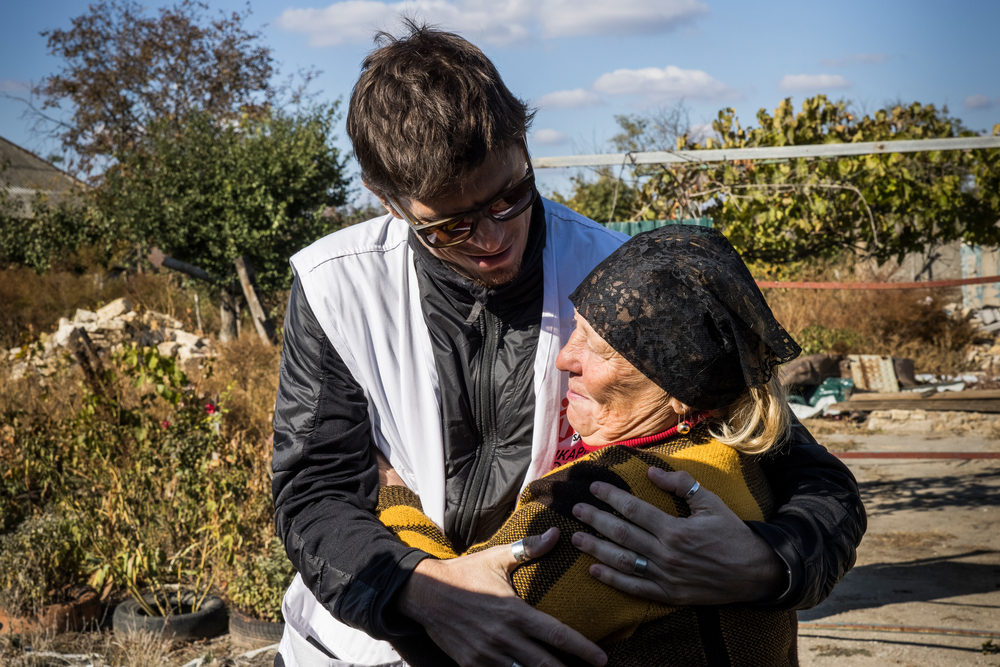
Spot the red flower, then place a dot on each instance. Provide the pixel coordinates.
(165, 423)
(210, 408)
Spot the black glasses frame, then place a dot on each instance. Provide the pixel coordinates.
(426, 229)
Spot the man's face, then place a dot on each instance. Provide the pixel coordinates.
(493, 255)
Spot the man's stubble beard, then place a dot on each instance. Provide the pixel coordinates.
(503, 278)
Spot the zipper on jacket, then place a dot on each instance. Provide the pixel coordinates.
(488, 424)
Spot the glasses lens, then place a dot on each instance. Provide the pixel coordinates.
(513, 202)
(449, 233)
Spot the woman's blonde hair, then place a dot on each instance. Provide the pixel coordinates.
(756, 421)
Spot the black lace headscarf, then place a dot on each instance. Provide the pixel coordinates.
(681, 306)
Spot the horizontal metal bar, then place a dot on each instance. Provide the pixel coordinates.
(768, 152)
(917, 455)
(956, 282)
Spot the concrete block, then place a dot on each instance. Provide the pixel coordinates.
(186, 339)
(111, 324)
(168, 348)
(114, 309)
(82, 316)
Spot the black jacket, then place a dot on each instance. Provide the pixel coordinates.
(325, 474)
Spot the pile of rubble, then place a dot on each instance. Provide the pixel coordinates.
(988, 319)
(985, 357)
(107, 328)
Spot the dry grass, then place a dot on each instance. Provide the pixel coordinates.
(27, 648)
(137, 649)
(901, 323)
(34, 303)
(246, 371)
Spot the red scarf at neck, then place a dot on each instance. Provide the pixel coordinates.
(691, 421)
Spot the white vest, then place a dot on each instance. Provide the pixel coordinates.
(362, 287)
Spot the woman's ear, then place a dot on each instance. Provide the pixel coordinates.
(679, 408)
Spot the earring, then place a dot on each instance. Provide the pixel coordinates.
(683, 427)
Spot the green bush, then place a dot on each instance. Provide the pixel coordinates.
(259, 583)
(817, 339)
(39, 560)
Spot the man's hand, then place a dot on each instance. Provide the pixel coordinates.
(387, 475)
(709, 558)
(470, 610)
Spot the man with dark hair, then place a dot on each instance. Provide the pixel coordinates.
(426, 339)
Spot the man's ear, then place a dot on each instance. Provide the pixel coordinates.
(382, 200)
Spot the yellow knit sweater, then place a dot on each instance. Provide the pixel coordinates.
(634, 631)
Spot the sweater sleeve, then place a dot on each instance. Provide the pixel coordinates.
(818, 522)
(326, 483)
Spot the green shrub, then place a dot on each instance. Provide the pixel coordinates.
(817, 339)
(259, 583)
(39, 560)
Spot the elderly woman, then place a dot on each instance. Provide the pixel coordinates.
(671, 369)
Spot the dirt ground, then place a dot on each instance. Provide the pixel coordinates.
(930, 558)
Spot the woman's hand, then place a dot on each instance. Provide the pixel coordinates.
(471, 611)
(709, 558)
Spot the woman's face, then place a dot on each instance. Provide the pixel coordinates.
(609, 399)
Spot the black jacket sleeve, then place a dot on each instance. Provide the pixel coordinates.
(326, 483)
(818, 522)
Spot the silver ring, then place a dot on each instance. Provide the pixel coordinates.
(516, 664)
(639, 569)
(694, 490)
(520, 554)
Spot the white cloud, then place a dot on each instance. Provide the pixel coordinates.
(356, 20)
(499, 22)
(14, 86)
(669, 82)
(549, 137)
(855, 59)
(806, 83)
(977, 102)
(569, 99)
(561, 18)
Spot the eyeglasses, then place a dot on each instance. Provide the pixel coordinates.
(459, 228)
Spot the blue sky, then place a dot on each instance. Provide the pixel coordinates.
(584, 61)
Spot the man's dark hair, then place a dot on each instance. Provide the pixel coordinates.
(428, 110)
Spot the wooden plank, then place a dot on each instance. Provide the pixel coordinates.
(260, 319)
(968, 393)
(894, 396)
(983, 405)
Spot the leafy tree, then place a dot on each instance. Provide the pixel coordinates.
(124, 70)
(208, 191)
(878, 205)
(604, 199)
(610, 197)
(53, 228)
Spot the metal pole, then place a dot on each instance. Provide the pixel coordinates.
(769, 152)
